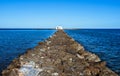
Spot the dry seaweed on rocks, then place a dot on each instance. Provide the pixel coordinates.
(59, 55)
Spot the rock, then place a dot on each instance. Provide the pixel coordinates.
(55, 74)
(33, 54)
(87, 72)
(72, 39)
(42, 50)
(48, 48)
(36, 66)
(44, 73)
(92, 58)
(48, 42)
(91, 71)
(71, 59)
(57, 61)
(81, 74)
(21, 58)
(80, 48)
(50, 36)
(40, 43)
(15, 72)
(79, 56)
(42, 57)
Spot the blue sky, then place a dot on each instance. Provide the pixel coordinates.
(68, 13)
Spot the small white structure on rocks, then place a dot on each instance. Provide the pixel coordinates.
(59, 28)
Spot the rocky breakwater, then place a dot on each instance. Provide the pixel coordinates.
(59, 55)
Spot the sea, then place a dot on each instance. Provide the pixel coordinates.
(103, 42)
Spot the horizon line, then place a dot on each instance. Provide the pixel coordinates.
(49, 28)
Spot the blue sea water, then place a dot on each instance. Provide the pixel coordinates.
(103, 42)
(16, 42)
